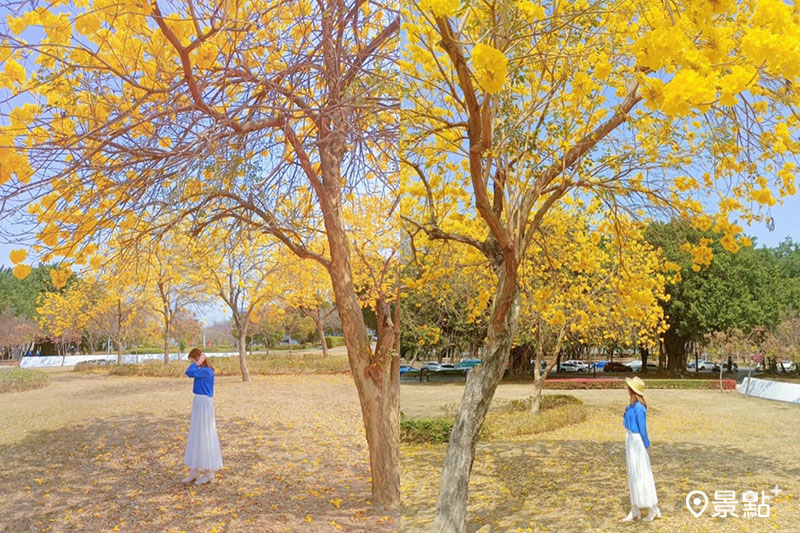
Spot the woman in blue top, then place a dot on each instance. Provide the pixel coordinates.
(640, 474)
(203, 455)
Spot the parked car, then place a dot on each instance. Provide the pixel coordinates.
(599, 365)
(447, 366)
(407, 368)
(570, 366)
(579, 364)
(636, 366)
(614, 366)
(469, 363)
(432, 366)
(703, 366)
(787, 366)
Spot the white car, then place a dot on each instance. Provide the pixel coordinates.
(433, 365)
(703, 365)
(572, 366)
(787, 366)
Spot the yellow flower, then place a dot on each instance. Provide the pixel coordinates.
(59, 277)
(21, 271)
(15, 73)
(530, 11)
(441, 8)
(491, 67)
(18, 256)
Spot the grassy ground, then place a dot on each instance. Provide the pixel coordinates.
(574, 478)
(17, 379)
(105, 453)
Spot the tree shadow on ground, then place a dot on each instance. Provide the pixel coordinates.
(572, 485)
(126, 471)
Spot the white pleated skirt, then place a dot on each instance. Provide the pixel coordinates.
(640, 474)
(202, 448)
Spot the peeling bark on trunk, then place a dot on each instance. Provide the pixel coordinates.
(482, 381)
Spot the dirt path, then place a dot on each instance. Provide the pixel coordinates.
(574, 478)
(104, 453)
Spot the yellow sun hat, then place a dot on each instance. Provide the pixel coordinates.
(636, 384)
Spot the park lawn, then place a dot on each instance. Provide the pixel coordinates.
(94, 453)
(19, 379)
(574, 478)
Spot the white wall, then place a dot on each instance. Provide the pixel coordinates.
(72, 360)
(771, 390)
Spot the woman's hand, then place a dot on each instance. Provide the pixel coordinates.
(201, 358)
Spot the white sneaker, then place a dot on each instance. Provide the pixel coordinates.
(192, 475)
(652, 514)
(635, 514)
(208, 477)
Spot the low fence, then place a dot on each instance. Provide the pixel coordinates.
(771, 390)
(72, 360)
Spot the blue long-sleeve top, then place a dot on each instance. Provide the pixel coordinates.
(203, 379)
(636, 420)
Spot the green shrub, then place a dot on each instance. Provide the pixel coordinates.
(18, 379)
(333, 342)
(548, 401)
(507, 420)
(503, 425)
(426, 430)
(92, 367)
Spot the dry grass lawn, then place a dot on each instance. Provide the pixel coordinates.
(573, 479)
(95, 453)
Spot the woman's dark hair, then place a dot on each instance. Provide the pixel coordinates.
(195, 353)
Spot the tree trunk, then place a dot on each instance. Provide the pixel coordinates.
(538, 386)
(320, 331)
(644, 352)
(376, 376)
(377, 380)
(117, 340)
(482, 381)
(242, 341)
(675, 348)
(397, 328)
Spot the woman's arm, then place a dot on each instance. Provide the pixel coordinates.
(195, 371)
(641, 421)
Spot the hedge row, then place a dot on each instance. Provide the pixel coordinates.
(257, 364)
(612, 383)
(17, 379)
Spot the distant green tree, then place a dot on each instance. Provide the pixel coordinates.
(741, 290)
(20, 296)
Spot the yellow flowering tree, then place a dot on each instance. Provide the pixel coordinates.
(589, 282)
(648, 109)
(122, 111)
(243, 269)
